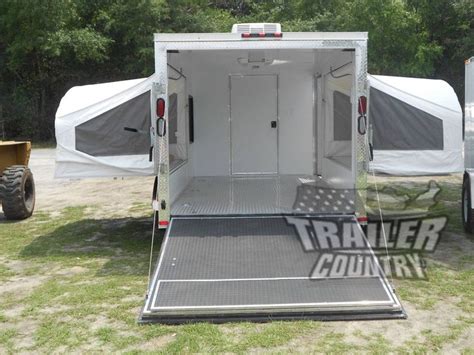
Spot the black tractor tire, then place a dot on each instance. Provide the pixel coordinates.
(18, 192)
(467, 211)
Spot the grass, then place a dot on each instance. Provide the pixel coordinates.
(5, 273)
(432, 341)
(407, 197)
(88, 279)
(6, 339)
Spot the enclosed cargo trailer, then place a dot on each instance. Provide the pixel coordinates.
(251, 133)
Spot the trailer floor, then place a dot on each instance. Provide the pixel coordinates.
(255, 268)
(262, 195)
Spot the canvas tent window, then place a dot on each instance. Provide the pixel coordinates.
(408, 141)
(122, 130)
(400, 126)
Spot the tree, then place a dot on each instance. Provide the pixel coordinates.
(450, 24)
(48, 46)
(35, 46)
(399, 44)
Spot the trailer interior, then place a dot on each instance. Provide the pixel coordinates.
(257, 136)
(263, 122)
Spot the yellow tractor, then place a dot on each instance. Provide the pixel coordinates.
(17, 187)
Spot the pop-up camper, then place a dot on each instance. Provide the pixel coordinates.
(417, 126)
(250, 134)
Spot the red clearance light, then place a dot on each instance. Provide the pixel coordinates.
(160, 107)
(163, 223)
(362, 219)
(362, 105)
(262, 35)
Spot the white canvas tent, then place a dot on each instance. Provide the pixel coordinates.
(103, 130)
(81, 123)
(417, 126)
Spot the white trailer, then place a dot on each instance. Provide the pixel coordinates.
(468, 182)
(250, 133)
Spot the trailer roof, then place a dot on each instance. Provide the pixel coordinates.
(287, 36)
(290, 40)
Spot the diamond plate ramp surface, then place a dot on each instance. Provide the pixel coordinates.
(224, 268)
(264, 195)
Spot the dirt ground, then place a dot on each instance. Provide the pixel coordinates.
(72, 278)
(114, 196)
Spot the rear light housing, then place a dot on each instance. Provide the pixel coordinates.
(160, 107)
(362, 106)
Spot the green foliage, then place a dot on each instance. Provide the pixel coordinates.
(398, 43)
(48, 46)
(450, 24)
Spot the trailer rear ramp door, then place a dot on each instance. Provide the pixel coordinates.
(261, 268)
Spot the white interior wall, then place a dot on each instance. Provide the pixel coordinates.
(334, 159)
(211, 152)
(210, 89)
(181, 177)
(296, 137)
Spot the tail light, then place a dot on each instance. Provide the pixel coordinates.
(160, 107)
(362, 105)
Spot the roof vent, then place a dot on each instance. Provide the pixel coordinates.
(256, 28)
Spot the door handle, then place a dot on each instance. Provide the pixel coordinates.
(150, 154)
(273, 124)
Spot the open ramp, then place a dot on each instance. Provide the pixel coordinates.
(257, 268)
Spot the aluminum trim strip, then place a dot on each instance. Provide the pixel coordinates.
(160, 260)
(269, 305)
